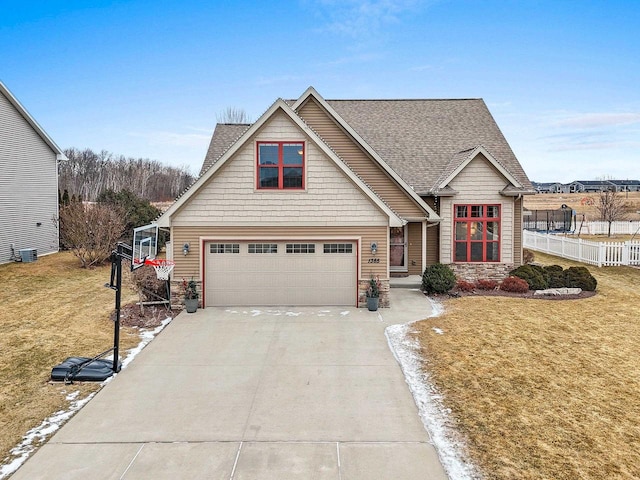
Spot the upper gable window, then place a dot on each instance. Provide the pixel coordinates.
(280, 165)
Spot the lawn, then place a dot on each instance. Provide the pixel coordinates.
(49, 309)
(543, 388)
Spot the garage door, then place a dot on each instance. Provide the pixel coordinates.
(272, 273)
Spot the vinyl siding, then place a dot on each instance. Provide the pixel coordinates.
(415, 248)
(517, 232)
(478, 183)
(346, 147)
(231, 198)
(28, 186)
(190, 265)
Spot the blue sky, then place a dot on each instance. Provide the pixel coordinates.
(147, 78)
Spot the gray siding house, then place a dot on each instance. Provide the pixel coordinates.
(28, 181)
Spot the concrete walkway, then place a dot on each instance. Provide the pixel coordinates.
(235, 394)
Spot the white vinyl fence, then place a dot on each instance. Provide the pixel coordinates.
(602, 228)
(601, 254)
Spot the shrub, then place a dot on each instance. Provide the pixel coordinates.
(465, 286)
(555, 276)
(528, 256)
(438, 278)
(533, 275)
(579, 277)
(514, 284)
(486, 284)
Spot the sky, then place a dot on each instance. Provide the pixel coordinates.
(150, 78)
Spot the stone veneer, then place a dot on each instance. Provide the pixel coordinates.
(177, 293)
(384, 293)
(472, 272)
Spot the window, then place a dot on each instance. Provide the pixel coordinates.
(338, 248)
(301, 248)
(263, 248)
(280, 165)
(477, 233)
(224, 248)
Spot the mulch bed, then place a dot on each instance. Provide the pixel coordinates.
(132, 316)
(501, 293)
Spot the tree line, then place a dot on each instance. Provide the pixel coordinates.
(87, 174)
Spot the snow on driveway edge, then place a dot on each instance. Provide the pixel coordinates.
(433, 413)
(38, 435)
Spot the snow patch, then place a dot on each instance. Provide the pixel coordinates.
(346, 312)
(433, 413)
(38, 435)
(439, 331)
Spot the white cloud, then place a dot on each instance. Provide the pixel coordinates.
(597, 120)
(358, 18)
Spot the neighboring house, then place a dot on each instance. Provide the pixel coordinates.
(547, 187)
(626, 185)
(590, 186)
(28, 181)
(305, 205)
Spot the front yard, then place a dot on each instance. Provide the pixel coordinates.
(542, 388)
(49, 309)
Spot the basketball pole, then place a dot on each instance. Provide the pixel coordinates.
(116, 324)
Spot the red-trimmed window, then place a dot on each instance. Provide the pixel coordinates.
(280, 166)
(477, 233)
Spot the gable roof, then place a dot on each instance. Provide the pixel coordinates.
(420, 138)
(36, 127)
(224, 135)
(278, 105)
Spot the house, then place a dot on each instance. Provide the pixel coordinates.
(307, 204)
(28, 181)
(590, 186)
(547, 187)
(626, 185)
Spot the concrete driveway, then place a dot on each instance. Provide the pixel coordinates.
(262, 393)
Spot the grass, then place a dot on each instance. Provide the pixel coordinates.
(49, 310)
(554, 201)
(543, 389)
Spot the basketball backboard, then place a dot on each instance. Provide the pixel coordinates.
(145, 244)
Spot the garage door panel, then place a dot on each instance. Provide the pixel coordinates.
(281, 278)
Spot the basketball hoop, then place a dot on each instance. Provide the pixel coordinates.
(162, 267)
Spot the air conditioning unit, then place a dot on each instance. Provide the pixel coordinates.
(28, 254)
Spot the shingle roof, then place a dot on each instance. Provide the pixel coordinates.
(224, 135)
(419, 139)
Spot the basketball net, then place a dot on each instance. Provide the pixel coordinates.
(163, 268)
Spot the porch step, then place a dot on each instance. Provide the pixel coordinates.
(410, 281)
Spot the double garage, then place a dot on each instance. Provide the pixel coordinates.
(280, 272)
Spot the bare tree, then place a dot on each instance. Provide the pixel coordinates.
(611, 208)
(90, 231)
(86, 174)
(233, 115)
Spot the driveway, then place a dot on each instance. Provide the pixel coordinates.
(263, 393)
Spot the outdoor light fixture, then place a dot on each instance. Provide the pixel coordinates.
(185, 249)
(374, 248)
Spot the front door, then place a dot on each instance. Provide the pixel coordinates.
(398, 249)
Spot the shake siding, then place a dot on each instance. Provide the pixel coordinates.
(415, 248)
(28, 186)
(190, 266)
(231, 197)
(478, 183)
(344, 145)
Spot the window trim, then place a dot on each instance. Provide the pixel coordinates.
(469, 219)
(281, 165)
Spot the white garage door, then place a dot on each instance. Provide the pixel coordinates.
(282, 273)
